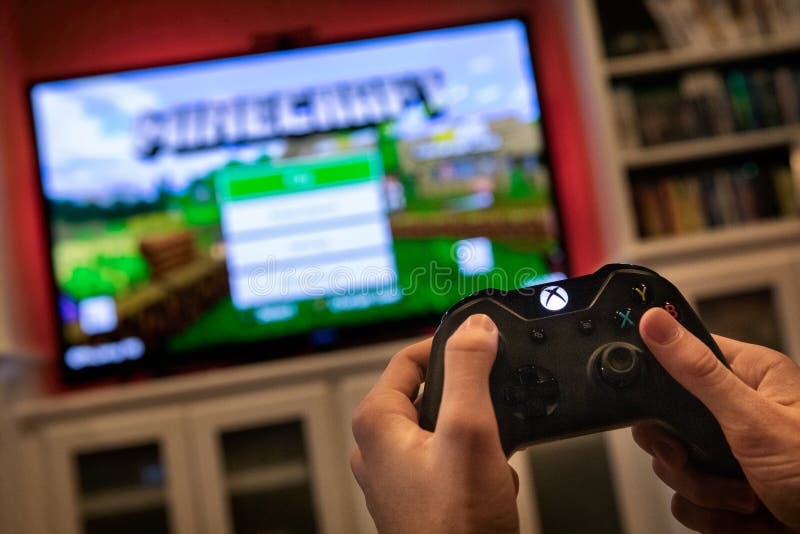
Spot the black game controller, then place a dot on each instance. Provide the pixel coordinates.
(570, 361)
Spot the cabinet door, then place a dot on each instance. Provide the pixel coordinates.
(121, 474)
(352, 390)
(751, 298)
(268, 462)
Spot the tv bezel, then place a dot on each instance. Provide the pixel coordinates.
(162, 363)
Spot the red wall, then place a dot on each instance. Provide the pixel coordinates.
(64, 37)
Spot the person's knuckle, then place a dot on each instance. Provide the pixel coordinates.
(705, 365)
(364, 420)
(695, 491)
(471, 341)
(466, 428)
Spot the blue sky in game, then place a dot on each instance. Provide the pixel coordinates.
(84, 126)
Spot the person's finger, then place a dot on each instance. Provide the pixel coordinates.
(707, 491)
(708, 520)
(689, 361)
(388, 407)
(357, 466)
(466, 416)
(406, 370)
(657, 442)
(515, 478)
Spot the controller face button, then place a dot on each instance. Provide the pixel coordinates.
(586, 326)
(537, 334)
(619, 364)
(673, 310)
(623, 318)
(641, 294)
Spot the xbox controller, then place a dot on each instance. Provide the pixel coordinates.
(570, 361)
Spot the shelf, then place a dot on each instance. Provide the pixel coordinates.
(710, 147)
(123, 500)
(655, 62)
(268, 478)
(757, 233)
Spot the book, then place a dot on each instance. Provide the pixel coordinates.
(726, 196)
(763, 99)
(648, 210)
(625, 117)
(668, 24)
(785, 194)
(670, 198)
(707, 88)
(747, 205)
(691, 202)
(786, 95)
(740, 100)
(712, 207)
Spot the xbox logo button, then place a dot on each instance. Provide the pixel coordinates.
(554, 298)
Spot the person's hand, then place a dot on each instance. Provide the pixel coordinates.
(757, 404)
(455, 479)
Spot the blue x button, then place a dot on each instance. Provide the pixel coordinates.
(623, 318)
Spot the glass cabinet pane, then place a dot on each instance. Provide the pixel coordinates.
(267, 478)
(122, 490)
(748, 316)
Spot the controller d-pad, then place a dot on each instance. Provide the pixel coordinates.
(536, 394)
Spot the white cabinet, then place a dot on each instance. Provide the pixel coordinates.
(257, 448)
(123, 473)
(263, 461)
(267, 462)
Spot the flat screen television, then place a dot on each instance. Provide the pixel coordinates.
(267, 205)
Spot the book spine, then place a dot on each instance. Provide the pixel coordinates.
(785, 195)
(726, 197)
(625, 116)
(786, 94)
(740, 100)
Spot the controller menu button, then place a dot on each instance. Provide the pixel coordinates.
(619, 364)
(586, 326)
(537, 334)
(641, 294)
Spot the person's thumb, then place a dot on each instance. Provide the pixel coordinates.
(466, 416)
(689, 361)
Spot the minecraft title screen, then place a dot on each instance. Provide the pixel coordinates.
(266, 196)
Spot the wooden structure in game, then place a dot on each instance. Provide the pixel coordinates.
(184, 284)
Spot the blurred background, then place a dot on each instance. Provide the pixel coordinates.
(153, 378)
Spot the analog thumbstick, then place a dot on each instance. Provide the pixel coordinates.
(619, 364)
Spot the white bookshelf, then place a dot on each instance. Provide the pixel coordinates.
(710, 147)
(669, 60)
(613, 162)
(709, 263)
(741, 237)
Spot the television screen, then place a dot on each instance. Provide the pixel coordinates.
(293, 195)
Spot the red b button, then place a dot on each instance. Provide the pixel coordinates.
(672, 310)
